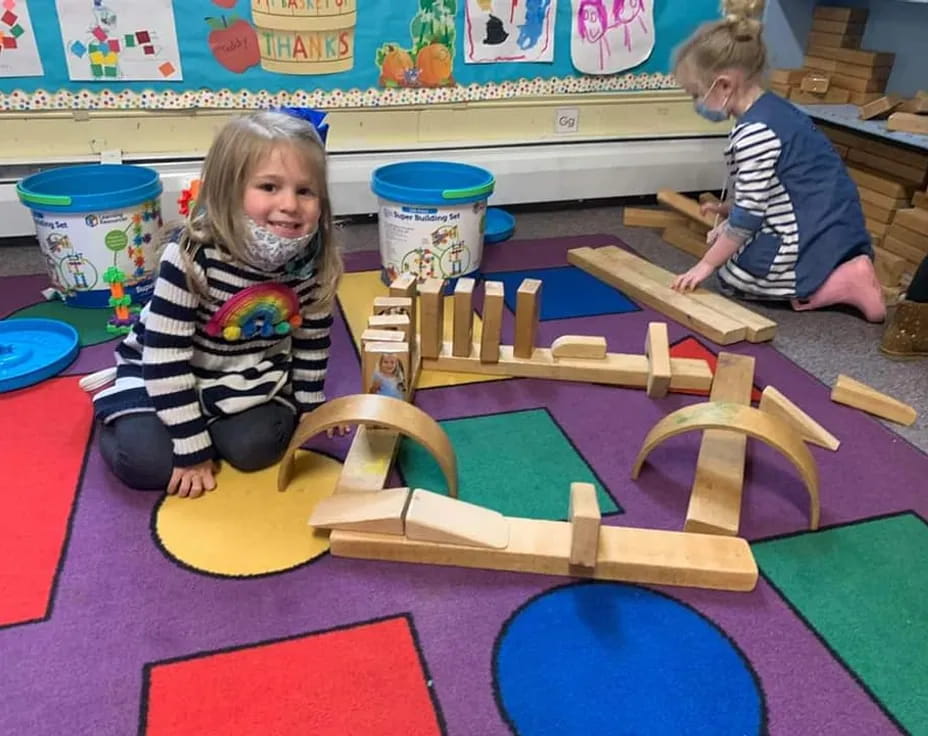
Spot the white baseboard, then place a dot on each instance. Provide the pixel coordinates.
(524, 174)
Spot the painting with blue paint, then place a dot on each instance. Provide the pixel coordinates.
(509, 30)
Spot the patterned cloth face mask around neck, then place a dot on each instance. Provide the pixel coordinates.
(268, 251)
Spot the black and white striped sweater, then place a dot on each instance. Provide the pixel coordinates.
(257, 339)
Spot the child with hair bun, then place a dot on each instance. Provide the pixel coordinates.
(793, 227)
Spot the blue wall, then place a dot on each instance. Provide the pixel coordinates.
(893, 25)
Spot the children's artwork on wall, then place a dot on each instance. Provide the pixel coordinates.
(429, 59)
(610, 36)
(306, 36)
(108, 40)
(19, 54)
(509, 30)
(233, 42)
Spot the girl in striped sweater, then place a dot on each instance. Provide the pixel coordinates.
(794, 227)
(233, 346)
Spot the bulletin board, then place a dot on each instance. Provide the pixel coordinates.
(159, 54)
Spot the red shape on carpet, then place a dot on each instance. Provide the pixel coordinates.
(690, 347)
(364, 679)
(42, 451)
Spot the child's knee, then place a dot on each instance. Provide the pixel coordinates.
(260, 453)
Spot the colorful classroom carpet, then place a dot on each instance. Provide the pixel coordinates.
(125, 612)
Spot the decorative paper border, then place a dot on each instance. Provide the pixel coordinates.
(105, 99)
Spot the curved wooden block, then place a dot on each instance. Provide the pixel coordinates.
(382, 411)
(749, 421)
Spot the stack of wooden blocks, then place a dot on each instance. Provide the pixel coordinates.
(836, 70)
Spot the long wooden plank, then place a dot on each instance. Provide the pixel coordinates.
(685, 310)
(647, 556)
(651, 217)
(616, 369)
(715, 501)
(685, 206)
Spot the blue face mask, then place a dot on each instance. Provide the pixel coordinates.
(713, 116)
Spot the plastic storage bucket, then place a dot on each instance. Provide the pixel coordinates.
(97, 224)
(432, 218)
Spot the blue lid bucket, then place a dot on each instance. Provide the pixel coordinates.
(432, 218)
(97, 225)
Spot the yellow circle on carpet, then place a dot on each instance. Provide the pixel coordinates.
(246, 526)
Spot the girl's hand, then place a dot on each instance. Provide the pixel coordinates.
(714, 233)
(192, 481)
(341, 430)
(692, 278)
(714, 208)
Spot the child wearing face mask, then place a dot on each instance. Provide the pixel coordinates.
(233, 346)
(794, 228)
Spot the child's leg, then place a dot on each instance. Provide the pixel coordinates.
(854, 282)
(255, 439)
(139, 451)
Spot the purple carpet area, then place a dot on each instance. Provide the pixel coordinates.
(120, 602)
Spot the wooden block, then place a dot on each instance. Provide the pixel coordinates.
(698, 228)
(908, 174)
(876, 228)
(913, 238)
(882, 200)
(380, 512)
(407, 287)
(859, 395)
(889, 267)
(845, 27)
(708, 198)
(397, 322)
(848, 15)
(853, 55)
(585, 519)
(657, 349)
(528, 308)
(907, 122)
(865, 72)
(916, 105)
(432, 517)
(911, 253)
(914, 219)
(819, 65)
(463, 340)
(863, 98)
(815, 83)
(392, 305)
(787, 77)
(780, 89)
(818, 42)
(644, 556)
(920, 200)
(877, 214)
(834, 96)
(757, 327)
(774, 402)
(387, 369)
(369, 459)
(579, 346)
(715, 500)
(370, 335)
(879, 108)
(840, 150)
(686, 240)
(608, 267)
(616, 369)
(432, 306)
(493, 303)
(878, 182)
(876, 83)
(651, 217)
(685, 206)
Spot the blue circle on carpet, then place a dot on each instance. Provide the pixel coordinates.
(608, 658)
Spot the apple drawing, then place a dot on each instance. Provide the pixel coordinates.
(234, 43)
(225, 3)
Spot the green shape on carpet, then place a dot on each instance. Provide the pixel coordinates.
(519, 463)
(861, 587)
(89, 323)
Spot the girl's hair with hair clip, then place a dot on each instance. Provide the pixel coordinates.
(731, 43)
(217, 218)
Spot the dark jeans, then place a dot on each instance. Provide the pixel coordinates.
(139, 450)
(918, 289)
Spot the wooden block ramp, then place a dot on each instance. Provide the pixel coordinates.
(710, 314)
(648, 556)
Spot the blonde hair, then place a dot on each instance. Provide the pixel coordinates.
(731, 43)
(216, 217)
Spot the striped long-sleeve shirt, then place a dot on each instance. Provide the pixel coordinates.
(191, 360)
(793, 196)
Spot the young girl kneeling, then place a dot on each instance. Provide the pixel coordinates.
(795, 228)
(233, 345)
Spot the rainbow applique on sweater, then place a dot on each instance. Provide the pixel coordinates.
(261, 310)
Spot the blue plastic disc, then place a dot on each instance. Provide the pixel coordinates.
(32, 350)
(500, 225)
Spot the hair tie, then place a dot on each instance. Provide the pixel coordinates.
(315, 118)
